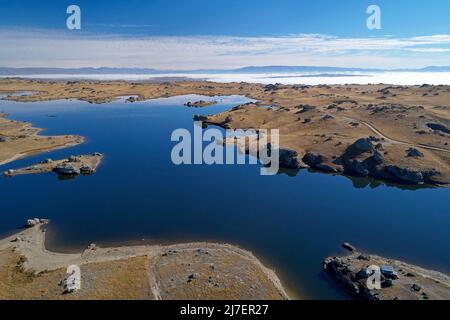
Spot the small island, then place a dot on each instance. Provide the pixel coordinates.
(200, 104)
(72, 166)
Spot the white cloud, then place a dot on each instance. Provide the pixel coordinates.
(44, 48)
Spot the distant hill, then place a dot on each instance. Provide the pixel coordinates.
(250, 69)
(290, 69)
(435, 69)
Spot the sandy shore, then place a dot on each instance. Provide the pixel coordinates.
(182, 271)
(407, 127)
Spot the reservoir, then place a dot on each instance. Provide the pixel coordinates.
(291, 221)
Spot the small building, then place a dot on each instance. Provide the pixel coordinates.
(389, 272)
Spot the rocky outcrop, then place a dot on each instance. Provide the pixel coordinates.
(313, 159)
(414, 153)
(316, 161)
(200, 118)
(200, 104)
(359, 147)
(394, 280)
(438, 127)
(36, 221)
(67, 169)
(271, 87)
(305, 108)
(356, 167)
(363, 159)
(350, 281)
(289, 159)
(406, 175)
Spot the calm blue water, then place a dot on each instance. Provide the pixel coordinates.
(291, 222)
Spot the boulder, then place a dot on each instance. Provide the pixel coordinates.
(192, 276)
(32, 222)
(387, 283)
(36, 221)
(416, 287)
(73, 159)
(67, 169)
(414, 153)
(313, 159)
(405, 175)
(327, 117)
(202, 251)
(305, 108)
(376, 159)
(289, 159)
(356, 167)
(200, 118)
(87, 170)
(360, 146)
(348, 246)
(10, 172)
(271, 87)
(363, 145)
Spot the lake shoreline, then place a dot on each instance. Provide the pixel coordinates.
(20, 139)
(30, 244)
(192, 223)
(386, 117)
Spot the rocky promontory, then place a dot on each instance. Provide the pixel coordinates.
(72, 166)
(200, 104)
(398, 280)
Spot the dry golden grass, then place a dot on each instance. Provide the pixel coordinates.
(116, 280)
(215, 274)
(22, 140)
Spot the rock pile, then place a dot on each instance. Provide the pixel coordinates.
(36, 221)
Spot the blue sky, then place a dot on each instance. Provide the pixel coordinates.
(224, 33)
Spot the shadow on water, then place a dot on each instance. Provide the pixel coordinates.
(373, 183)
(358, 182)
